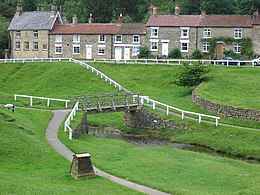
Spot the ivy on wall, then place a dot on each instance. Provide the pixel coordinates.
(245, 43)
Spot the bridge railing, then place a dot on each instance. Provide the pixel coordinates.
(42, 98)
(154, 104)
(69, 119)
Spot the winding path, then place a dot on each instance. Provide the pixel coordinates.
(51, 136)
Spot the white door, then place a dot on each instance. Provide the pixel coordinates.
(118, 53)
(127, 53)
(165, 49)
(88, 52)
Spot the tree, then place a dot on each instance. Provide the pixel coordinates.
(190, 75)
(4, 38)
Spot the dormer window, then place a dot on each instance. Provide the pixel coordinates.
(185, 32)
(35, 34)
(238, 33)
(154, 32)
(76, 38)
(118, 39)
(207, 33)
(101, 38)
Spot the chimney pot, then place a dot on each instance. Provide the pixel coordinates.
(120, 19)
(202, 14)
(74, 21)
(155, 11)
(151, 9)
(256, 12)
(19, 8)
(90, 19)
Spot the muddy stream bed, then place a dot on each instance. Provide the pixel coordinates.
(139, 140)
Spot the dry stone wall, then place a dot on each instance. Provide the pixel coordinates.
(226, 111)
(82, 128)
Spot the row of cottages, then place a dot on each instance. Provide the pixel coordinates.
(190, 32)
(43, 34)
(93, 40)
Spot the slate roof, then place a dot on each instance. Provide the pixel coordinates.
(98, 28)
(33, 21)
(198, 21)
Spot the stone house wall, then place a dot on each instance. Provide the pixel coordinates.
(27, 36)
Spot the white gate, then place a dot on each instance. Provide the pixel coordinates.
(118, 53)
(88, 51)
(127, 53)
(165, 49)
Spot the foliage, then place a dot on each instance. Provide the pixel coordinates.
(143, 52)
(174, 53)
(4, 38)
(197, 54)
(190, 75)
(232, 54)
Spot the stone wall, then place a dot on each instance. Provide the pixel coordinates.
(82, 128)
(226, 111)
(144, 119)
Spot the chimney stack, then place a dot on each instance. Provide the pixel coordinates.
(155, 12)
(202, 14)
(120, 19)
(90, 19)
(255, 12)
(151, 9)
(19, 8)
(54, 9)
(177, 10)
(74, 21)
(40, 8)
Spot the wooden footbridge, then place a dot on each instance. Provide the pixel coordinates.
(101, 103)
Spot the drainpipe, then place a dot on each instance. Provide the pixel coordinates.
(112, 46)
(197, 31)
(48, 45)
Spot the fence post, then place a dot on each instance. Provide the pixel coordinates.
(48, 102)
(153, 105)
(66, 104)
(15, 97)
(216, 122)
(70, 135)
(182, 115)
(199, 118)
(31, 101)
(167, 110)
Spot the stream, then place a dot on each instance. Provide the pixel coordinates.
(139, 140)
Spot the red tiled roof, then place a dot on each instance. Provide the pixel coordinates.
(172, 20)
(197, 20)
(227, 21)
(85, 29)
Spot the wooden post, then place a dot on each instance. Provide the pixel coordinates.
(31, 101)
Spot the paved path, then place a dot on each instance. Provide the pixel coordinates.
(51, 136)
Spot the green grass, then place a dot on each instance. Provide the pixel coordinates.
(29, 165)
(168, 169)
(56, 80)
(156, 82)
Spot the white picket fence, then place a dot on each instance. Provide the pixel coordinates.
(42, 98)
(168, 108)
(69, 119)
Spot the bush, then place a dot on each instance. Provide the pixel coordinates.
(175, 53)
(144, 52)
(191, 75)
(230, 53)
(197, 54)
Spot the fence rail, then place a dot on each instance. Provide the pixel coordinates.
(23, 60)
(42, 98)
(154, 104)
(69, 119)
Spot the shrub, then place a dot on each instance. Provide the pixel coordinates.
(197, 54)
(230, 53)
(191, 75)
(144, 52)
(175, 53)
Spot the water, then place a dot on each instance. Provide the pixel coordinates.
(138, 140)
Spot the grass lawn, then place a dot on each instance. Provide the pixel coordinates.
(29, 165)
(169, 169)
(56, 80)
(156, 82)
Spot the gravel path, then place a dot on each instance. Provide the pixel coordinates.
(51, 136)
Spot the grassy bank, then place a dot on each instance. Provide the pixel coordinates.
(29, 165)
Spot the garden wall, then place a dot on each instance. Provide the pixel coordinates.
(226, 111)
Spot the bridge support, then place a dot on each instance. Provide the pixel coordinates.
(82, 128)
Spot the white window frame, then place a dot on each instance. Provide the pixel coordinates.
(18, 34)
(76, 38)
(205, 47)
(184, 42)
(58, 39)
(101, 50)
(35, 34)
(17, 45)
(35, 45)
(207, 33)
(44, 47)
(238, 33)
(135, 51)
(136, 39)
(58, 46)
(73, 49)
(101, 38)
(25, 44)
(185, 31)
(118, 41)
(154, 44)
(236, 48)
(154, 32)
